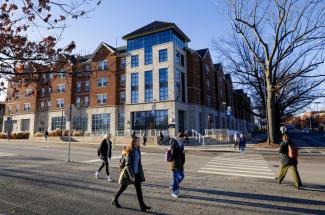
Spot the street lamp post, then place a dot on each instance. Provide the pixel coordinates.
(224, 107)
(154, 114)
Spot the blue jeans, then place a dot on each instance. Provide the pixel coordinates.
(178, 177)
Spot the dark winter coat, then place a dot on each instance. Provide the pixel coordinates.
(284, 150)
(178, 156)
(105, 150)
(242, 142)
(127, 172)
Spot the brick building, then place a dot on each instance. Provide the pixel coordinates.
(154, 82)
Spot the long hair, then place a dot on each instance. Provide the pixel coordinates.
(129, 148)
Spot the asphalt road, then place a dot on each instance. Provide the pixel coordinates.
(36, 179)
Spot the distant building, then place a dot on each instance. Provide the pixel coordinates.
(154, 82)
(313, 119)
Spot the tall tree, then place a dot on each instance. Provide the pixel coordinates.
(24, 53)
(281, 44)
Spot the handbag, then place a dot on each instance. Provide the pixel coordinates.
(168, 155)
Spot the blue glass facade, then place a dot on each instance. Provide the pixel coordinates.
(134, 61)
(163, 55)
(163, 84)
(148, 86)
(148, 41)
(134, 88)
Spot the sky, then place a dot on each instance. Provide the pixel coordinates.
(201, 20)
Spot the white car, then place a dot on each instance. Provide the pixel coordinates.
(306, 130)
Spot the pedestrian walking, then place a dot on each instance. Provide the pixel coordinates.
(186, 137)
(161, 140)
(236, 140)
(289, 159)
(242, 143)
(177, 162)
(131, 173)
(46, 134)
(104, 152)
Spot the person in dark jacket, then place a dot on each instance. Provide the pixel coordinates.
(287, 162)
(132, 173)
(177, 163)
(46, 134)
(242, 143)
(104, 152)
(161, 140)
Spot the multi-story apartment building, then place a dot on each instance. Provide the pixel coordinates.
(154, 82)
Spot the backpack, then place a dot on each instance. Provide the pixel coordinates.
(168, 155)
(292, 151)
(122, 162)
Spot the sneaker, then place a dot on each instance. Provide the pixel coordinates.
(175, 194)
(97, 175)
(109, 178)
(171, 187)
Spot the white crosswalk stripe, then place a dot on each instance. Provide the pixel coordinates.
(3, 154)
(239, 165)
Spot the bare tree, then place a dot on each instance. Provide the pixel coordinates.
(281, 45)
(22, 56)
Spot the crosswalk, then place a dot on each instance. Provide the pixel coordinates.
(3, 154)
(230, 164)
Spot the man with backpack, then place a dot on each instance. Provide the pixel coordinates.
(177, 160)
(289, 159)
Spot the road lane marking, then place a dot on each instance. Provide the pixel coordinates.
(242, 167)
(237, 170)
(112, 158)
(234, 174)
(4, 154)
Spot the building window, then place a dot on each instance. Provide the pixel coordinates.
(102, 82)
(134, 88)
(49, 104)
(163, 84)
(86, 101)
(43, 92)
(49, 90)
(102, 98)
(148, 56)
(207, 69)
(78, 86)
(78, 102)
(182, 60)
(87, 68)
(58, 122)
(145, 120)
(134, 61)
(122, 63)
(163, 55)
(120, 120)
(178, 85)
(161, 119)
(102, 65)
(80, 123)
(87, 86)
(61, 88)
(61, 74)
(28, 93)
(122, 97)
(60, 103)
(17, 108)
(101, 123)
(178, 58)
(17, 95)
(148, 86)
(25, 124)
(122, 80)
(27, 107)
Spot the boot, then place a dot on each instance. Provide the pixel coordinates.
(115, 202)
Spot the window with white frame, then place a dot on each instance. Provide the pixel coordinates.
(102, 98)
(60, 103)
(122, 63)
(78, 87)
(61, 74)
(43, 92)
(17, 108)
(102, 82)
(58, 122)
(78, 103)
(122, 80)
(48, 104)
(122, 97)
(28, 93)
(27, 107)
(87, 86)
(102, 65)
(61, 88)
(42, 105)
(86, 101)
(49, 90)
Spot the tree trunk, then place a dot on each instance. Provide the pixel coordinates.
(271, 119)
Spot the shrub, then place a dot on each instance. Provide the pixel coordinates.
(16, 135)
(38, 134)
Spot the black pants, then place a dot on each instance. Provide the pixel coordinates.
(137, 185)
(105, 163)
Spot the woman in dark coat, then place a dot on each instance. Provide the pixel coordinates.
(287, 162)
(132, 173)
(104, 152)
